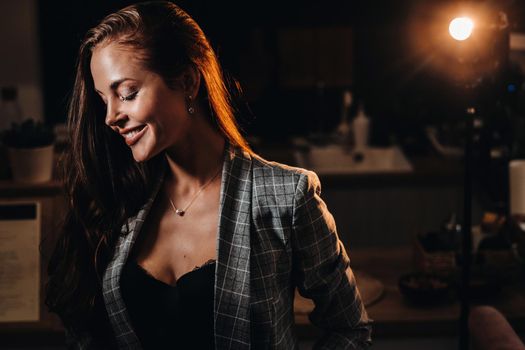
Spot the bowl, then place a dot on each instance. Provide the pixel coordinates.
(424, 288)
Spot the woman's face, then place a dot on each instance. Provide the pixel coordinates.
(139, 105)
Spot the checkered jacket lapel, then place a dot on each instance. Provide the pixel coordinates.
(115, 307)
(232, 283)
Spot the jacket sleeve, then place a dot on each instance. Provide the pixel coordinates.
(322, 272)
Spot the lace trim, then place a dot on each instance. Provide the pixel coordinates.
(208, 262)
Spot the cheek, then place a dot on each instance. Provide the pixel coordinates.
(143, 112)
(165, 113)
(172, 114)
(169, 126)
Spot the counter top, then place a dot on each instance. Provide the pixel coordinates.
(10, 189)
(395, 317)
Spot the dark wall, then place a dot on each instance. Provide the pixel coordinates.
(368, 52)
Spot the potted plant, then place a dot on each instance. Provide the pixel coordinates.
(30, 151)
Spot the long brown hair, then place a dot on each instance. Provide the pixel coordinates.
(103, 183)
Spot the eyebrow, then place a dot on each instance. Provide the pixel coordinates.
(114, 85)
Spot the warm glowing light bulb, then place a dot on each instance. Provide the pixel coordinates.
(460, 28)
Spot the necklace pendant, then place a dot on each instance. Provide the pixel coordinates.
(180, 212)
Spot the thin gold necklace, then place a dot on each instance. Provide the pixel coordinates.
(181, 212)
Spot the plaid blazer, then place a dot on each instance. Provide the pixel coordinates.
(275, 234)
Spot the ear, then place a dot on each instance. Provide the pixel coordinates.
(191, 79)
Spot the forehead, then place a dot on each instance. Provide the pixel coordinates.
(111, 62)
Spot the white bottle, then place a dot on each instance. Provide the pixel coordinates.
(360, 126)
(343, 130)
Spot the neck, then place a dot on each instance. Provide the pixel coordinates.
(195, 160)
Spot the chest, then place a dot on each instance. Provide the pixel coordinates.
(169, 245)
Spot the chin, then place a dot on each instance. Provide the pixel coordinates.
(143, 155)
(140, 156)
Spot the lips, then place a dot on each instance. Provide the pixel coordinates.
(132, 135)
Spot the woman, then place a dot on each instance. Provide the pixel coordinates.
(177, 233)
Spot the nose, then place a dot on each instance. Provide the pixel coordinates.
(114, 116)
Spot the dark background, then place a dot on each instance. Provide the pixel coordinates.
(370, 52)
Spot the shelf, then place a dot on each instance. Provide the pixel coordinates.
(15, 189)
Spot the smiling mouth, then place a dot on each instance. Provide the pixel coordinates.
(134, 135)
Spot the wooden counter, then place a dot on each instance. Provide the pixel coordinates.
(395, 317)
(11, 189)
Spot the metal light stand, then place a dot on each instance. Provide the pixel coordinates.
(461, 29)
(466, 244)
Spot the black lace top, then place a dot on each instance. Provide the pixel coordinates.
(162, 315)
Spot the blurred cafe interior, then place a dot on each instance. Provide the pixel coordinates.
(412, 114)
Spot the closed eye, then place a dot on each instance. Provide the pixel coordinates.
(129, 97)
